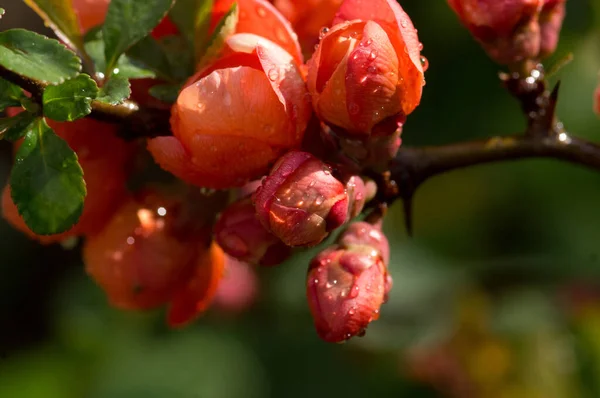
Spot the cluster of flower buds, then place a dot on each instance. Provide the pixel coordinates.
(348, 283)
(306, 133)
(513, 32)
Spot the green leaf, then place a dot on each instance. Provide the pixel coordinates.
(60, 17)
(127, 22)
(180, 58)
(14, 128)
(165, 92)
(192, 18)
(47, 182)
(116, 90)
(127, 67)
(2, 12)
(70, 100)
(10, 94)
(224, 29)
(37, 57)
(151, 55)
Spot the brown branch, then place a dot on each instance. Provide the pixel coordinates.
(412, 166)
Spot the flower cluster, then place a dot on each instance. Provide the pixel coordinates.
(298, 102)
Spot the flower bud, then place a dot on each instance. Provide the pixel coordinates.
(238, 289)
(144, 253)
(513, 31)
(196, 295)
(367, 68)
(300, 202)
(551, 18)
(241, 235)
(237, 117)
(348, 283)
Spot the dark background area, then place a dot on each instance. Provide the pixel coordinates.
(498, 288)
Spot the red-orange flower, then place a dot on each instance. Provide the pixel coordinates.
(237, 117)
(367, 68)
(104, 159)
(145, 253)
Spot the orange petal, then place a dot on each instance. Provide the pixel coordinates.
(373, 90)
(193, 299)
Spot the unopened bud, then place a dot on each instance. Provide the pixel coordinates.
(348, 283)
(241, 235)
(300, 202)
(513, 31)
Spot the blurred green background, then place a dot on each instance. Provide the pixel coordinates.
(496, 295)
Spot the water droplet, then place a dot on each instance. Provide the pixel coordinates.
(261, 12)
(372, 55)
(201, 106)
(424, 63)
(404, 23)
(372, 69)
(323, 32)
(130, 240)
(312, 184)
(420, 46)
(273, 74)
(316, 281)
(369, 42)
(424, 82)
(319, 200)
(326, 170)
(354, 292)
(353, 108)
(351, 311)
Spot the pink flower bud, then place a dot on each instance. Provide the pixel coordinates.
(300, 202)
(241, 235)
(348, 283)
(239, 287)
(367, 68)
(513, 31)
(551, 19)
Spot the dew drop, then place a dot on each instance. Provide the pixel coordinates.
(261, 12)
(372, 69)
(273, 74)
(372, 55)
(319, 200)
(404, 23)
(351, 311)
(420, 46)
(369, 42)
(323, 32)
(354, 292)
(424, 63)
(353, 108)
